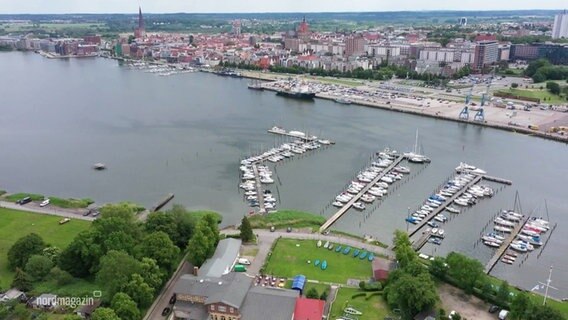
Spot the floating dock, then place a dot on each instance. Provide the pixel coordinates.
(162, 202)
(259, 192)
(498, 180)
(418, 244)
(356, 198)
(504, 246)
(283, 132)
(443, 206)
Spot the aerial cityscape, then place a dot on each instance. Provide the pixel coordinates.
(256, 161)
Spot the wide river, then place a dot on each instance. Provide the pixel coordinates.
(186, 133)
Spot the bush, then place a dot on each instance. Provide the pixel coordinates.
(373, 294)
(61, 277)
(358, 294)
(312, 293)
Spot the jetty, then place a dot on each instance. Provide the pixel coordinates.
(443, 206)
(259, 191)
(418, 244)
(498, 180)
(162, 202)
(356, 198)
(504, 246)
(294, 134)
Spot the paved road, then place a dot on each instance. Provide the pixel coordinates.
(163, 300)
(50, 210)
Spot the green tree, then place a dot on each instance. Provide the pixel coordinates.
(198, 246)
(412, 294)
(464, 270)
(124, 307)
(540, 312)
(23, 249)
(152, 274)
(21, 281)
(38, 266)
(116, 267)
(104, 314)
(438, 268)
(553, 87)
(61, 277)
(312, 293)
(324, 295)
(162, 221)
(72, 317)
(21, 312)
(82, 255)
(503, 294)
(212, 224)
(140, 291)
(246, 230)
(159, 247)
(52, 253)
(520, 306)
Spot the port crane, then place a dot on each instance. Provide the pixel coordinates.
(464, 114)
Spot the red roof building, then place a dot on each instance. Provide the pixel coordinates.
(381, 268)
(485, 37)
(308, 309)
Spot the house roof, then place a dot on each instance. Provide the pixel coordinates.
(308, 309)
(189, 310)
(11, 295)
(222, 260)
(229, 289)
(381, 268)
(89, 308)
(263, 303)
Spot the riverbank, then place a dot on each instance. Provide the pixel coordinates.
(497, 118)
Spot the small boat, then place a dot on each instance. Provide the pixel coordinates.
(435, 241)
(518, 247)
(507, 261)
(452, 210)
(326, 245)
(363, 255)
(346, 250)
(492, 244)
(343, 101)
(319, 243)
(359, 206)
(352, 311)
(356, 253)
(433, 224)
(338, 248)
(316, 263)
(324, 265)
(371, 257)
(337, 204)
(330, 246)
(99, 166)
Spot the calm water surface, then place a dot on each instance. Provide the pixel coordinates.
(186, 133)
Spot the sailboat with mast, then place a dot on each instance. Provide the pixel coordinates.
(415, 156)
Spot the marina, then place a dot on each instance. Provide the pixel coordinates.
(198, 141)
(368, 185)
(505, 246)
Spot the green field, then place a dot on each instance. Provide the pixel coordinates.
(15, 224)
(537, 93)
(288, 260)
(54, 201)
(287, 218)
(373, 309)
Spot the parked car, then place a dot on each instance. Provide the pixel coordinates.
(166, 311)
(24, 201)
(493, 309)
(503, 314)
(44, 203)
(243, 261)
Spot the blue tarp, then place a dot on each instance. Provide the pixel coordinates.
(299, 282)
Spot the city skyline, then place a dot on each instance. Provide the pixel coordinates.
(226, 6)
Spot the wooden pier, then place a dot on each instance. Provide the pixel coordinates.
(496, 179)
(350, 203)
(160, 204)
(259, 192)
(443, 206)
(305, 138)
(418, 244)
(504, 246)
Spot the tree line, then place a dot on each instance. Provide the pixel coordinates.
(128, 259)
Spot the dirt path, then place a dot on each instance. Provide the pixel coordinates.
(469, 307)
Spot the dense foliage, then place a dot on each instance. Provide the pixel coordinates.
(542, 70)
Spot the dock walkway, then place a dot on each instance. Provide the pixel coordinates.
(501, 250)
(444, 204)
(418, 244)
(259, 192)
(162, 202)
(356, 198)
(287, 134)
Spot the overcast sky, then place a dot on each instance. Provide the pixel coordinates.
(159, 6)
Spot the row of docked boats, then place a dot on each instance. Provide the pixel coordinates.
(367, 176)
(252, 195)
(284, 151)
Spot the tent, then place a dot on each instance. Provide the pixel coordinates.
(298, 283)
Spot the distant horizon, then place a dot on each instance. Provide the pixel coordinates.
(135, 12)
(263, 6)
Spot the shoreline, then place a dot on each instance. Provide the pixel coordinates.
(420, 112)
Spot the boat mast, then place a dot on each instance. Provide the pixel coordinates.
(547, 286)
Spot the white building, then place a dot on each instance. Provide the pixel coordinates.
(560, 29)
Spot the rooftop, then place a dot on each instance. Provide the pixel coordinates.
(222, 260)
(263, 303)
(308, 309)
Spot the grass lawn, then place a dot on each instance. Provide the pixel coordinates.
(286, 218)
(340, 81)
(78, 288)
(58, 202)
(537, 93)
(15, 224)
(320, 287)
(373, 309)
(289, 260)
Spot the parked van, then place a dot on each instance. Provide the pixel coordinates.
(24, 201)
(533, 127)
(44, 203)
(243, 261)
